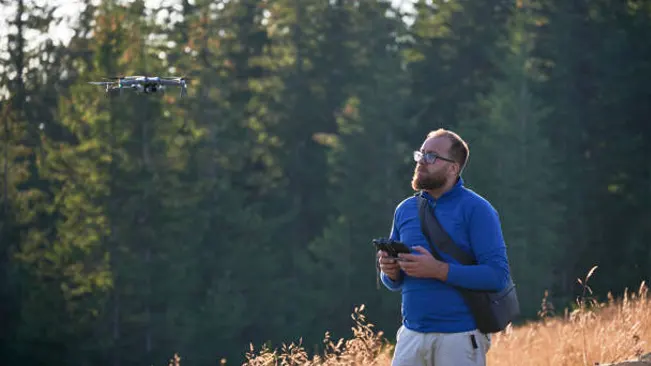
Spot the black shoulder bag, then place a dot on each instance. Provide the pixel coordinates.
(492, 311)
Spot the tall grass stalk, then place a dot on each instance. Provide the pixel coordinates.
(592, 333)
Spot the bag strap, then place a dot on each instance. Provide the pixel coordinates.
(437, 236)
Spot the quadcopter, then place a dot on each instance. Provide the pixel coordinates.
(143, 84)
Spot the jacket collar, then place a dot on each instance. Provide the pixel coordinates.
(456, 188)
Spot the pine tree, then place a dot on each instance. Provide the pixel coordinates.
(599, 126)
(232, 168)
(450, 58)
(29, 71)
(368, 173)
(512, 165)
(108, 178)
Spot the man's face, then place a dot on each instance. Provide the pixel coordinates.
(434, 176)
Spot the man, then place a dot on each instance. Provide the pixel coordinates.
(438, 328)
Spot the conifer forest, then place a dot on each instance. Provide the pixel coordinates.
(136, 226)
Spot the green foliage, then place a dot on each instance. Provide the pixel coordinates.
(515, 166)
(451, 58)
(365, 175)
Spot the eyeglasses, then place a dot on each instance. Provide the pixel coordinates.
(429, 157)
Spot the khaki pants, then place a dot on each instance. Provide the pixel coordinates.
(440, 349)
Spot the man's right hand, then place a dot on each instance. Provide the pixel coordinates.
(389, 265)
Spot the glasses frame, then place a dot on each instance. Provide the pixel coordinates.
(429, 157)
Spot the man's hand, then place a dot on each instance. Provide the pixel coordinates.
(423, 265)
(389, 265)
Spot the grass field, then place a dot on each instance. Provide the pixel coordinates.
(612, 331)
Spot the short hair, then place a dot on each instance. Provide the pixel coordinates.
(459, 150)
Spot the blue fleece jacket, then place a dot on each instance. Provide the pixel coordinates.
(430, 305)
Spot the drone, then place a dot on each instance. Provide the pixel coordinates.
(143, 84)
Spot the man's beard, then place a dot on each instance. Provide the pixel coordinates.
(427, 181)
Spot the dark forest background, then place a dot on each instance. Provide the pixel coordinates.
(133, 227)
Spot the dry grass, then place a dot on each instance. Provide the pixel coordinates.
(593, 333)
(367, 347)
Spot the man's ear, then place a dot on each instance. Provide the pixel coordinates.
(457, 169)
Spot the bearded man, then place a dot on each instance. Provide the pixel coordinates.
(438, 328)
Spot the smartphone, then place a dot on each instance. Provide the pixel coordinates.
(390, 246)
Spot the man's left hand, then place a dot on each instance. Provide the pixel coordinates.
(423, 265)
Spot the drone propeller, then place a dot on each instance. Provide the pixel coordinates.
(182, 82)
(124, 77)
(176, 77)
(101, 82)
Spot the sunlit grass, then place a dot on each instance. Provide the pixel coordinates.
(366, 347)
(593, 333)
